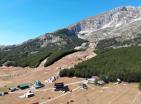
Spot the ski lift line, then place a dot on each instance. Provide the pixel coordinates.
(59, 96)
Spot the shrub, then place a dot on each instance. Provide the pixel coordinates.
(66, 72)
(9, 63)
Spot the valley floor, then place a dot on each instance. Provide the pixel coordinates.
(110, 94)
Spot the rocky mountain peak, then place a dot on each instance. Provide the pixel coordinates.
(113, 18)
(118, 27)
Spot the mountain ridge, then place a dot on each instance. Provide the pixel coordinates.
(115, 18)
(120, 27)
(122, 23)
(89, 22)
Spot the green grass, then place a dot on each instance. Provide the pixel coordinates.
(3, 89)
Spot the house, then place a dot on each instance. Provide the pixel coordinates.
(27, 95)
(38, 84)
(93, 79)
(60, 87)
(119, 80)
(51, 79)
(100, 82)
(23, 86)
(83, 86)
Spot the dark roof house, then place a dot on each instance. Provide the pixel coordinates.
(60, 87)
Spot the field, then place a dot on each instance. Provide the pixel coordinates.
(125, 93)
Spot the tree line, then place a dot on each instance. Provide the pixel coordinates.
(110, 64)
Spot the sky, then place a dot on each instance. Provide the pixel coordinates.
(21, 20)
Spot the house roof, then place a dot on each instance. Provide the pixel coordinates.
(37, 82)
(23, 85)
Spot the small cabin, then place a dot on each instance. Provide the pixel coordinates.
(51, 79)
(119, 80)
(60, 87)
(83, 86)
(100, 82)
(23, 86)
(27, 95)
(38, 84)
(93, 79)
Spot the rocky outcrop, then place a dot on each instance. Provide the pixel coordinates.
(122, 22)
(114, 18)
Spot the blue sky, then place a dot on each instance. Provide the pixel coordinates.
(21, 20)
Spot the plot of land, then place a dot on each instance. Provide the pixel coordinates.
(110, 94)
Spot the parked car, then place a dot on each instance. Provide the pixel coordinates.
(3, 93)
(13, 89)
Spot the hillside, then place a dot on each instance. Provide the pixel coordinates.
(32, 52)
(117, 28)
(110, 64)
(79, 64)
(122, 93)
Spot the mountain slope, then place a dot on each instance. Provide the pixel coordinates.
(32, 52)
(110, 64)
(123, 23)
(113, 18)
(120, 27)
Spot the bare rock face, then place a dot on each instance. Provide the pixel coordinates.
(114, 18)
(50, 39)
(122, 22)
